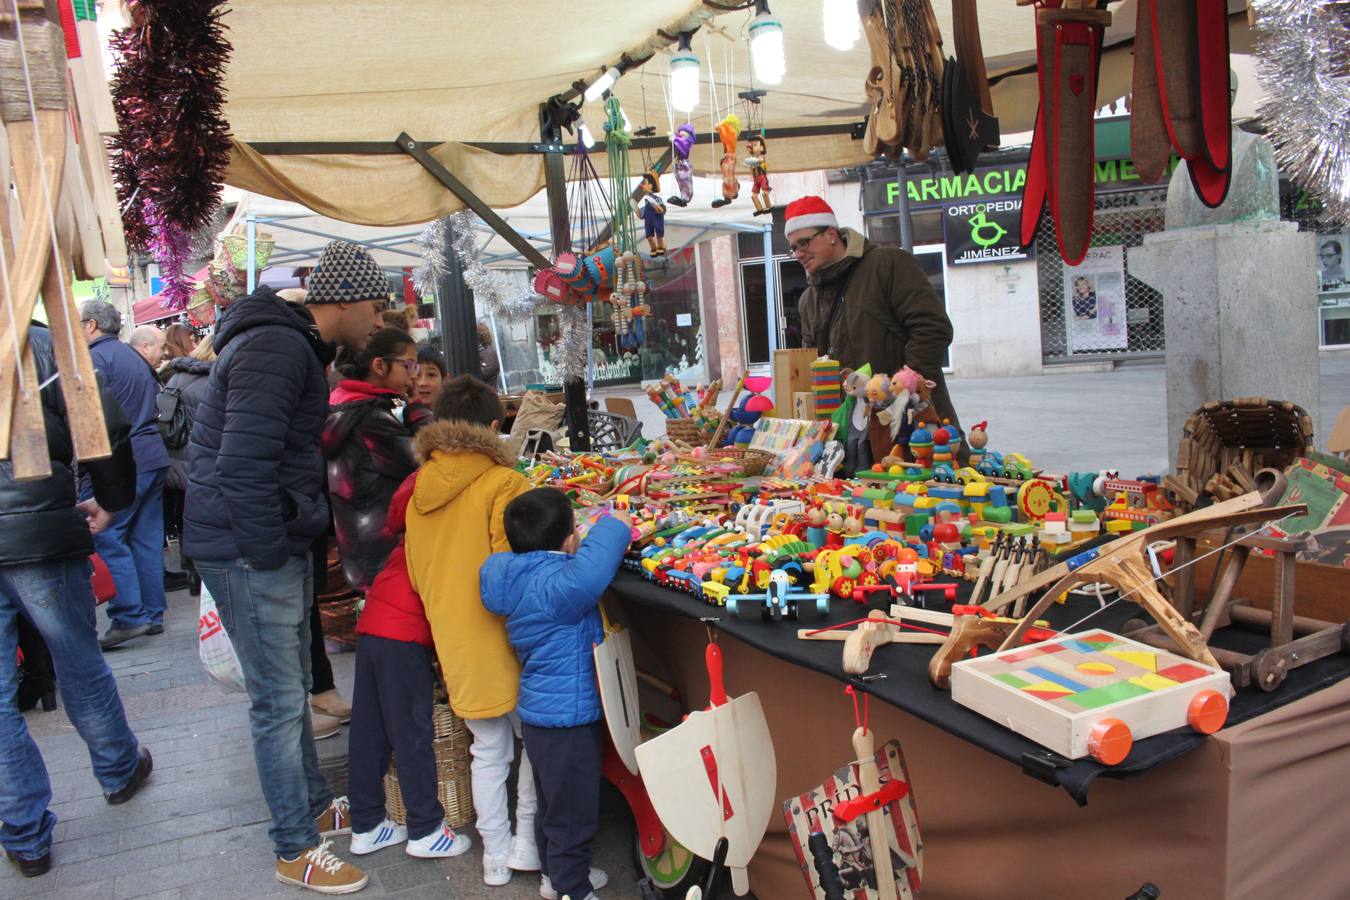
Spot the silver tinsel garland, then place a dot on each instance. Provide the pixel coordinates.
(1303, 51)
(497, 293)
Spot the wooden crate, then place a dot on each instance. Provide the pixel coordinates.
(791, 375)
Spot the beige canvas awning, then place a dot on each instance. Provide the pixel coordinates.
(306, 72)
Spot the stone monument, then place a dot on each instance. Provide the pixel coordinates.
(1239, 293)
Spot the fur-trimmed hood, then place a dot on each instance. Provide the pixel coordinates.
(454, 454)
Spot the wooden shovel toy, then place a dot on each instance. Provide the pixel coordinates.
(714, 776)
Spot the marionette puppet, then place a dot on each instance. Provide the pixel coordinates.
(653, 212)
(682, 142)
(757, 159)
(728, 130)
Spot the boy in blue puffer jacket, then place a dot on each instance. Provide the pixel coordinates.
(549, 588)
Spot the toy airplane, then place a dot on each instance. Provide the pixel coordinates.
(779, 601)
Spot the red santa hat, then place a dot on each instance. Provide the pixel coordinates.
(809, 212)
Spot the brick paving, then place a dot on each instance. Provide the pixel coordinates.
(198, 829)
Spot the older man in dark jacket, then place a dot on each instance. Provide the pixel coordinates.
(256, 501)
(44, 575)
(867, 304)
(133, 545)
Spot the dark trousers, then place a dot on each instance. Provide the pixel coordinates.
(391, 713)
(319, 665)
(567, 780)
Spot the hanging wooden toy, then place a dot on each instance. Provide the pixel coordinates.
(757, 158)
(728, 132)
(857, 835)
(712, 778)
(682, 142)
(653, 212)
(630, 285)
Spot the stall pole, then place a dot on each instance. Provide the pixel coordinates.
(555, 189)
(770, 290)
(454, 308)
(906, 223)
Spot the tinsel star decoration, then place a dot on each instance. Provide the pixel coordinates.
(1303, 63)
(492, 290)
(495, 292)
(173, 143)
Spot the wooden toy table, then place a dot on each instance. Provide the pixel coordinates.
(1255, 810)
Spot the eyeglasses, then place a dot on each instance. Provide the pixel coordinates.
(411, 365)
(799, 245)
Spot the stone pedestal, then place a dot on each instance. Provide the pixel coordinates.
(1240, 305)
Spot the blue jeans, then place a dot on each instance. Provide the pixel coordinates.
(266, 614)
(57, 599)
(132, 547)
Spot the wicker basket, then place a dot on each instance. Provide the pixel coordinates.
(687, 431)
(1224, 445)
(451, 739)
(752, 462)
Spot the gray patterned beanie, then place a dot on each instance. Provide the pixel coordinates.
(346, 273)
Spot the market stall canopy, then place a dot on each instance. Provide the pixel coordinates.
(307, 78)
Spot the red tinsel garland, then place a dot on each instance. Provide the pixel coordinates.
(173, 145)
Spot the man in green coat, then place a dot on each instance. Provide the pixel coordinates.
(867, 304)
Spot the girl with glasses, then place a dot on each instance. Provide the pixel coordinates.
(369, 452)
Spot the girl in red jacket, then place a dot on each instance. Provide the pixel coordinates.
(391, 712)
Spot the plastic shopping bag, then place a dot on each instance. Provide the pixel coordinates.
(214, 647)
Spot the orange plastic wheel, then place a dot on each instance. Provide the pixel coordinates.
(1207, 712)
(1110, 741)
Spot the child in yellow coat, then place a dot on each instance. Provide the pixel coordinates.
(454, 524)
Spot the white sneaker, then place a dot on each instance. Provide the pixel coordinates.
(440, 844)
(598, 880)
(383, 835)
(524, 854)
(496, 872)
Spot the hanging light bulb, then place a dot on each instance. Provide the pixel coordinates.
(842, 25)
(684, 75)
(766, 45)
(597, 88)
(584, 135)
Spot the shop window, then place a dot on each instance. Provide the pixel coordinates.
(884, 230)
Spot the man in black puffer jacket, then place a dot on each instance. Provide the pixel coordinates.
(256, 502)
(45, 546)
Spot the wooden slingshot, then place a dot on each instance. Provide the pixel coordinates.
(1122, 564)
(1294, 640)
(878, 630)
(33, 106)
